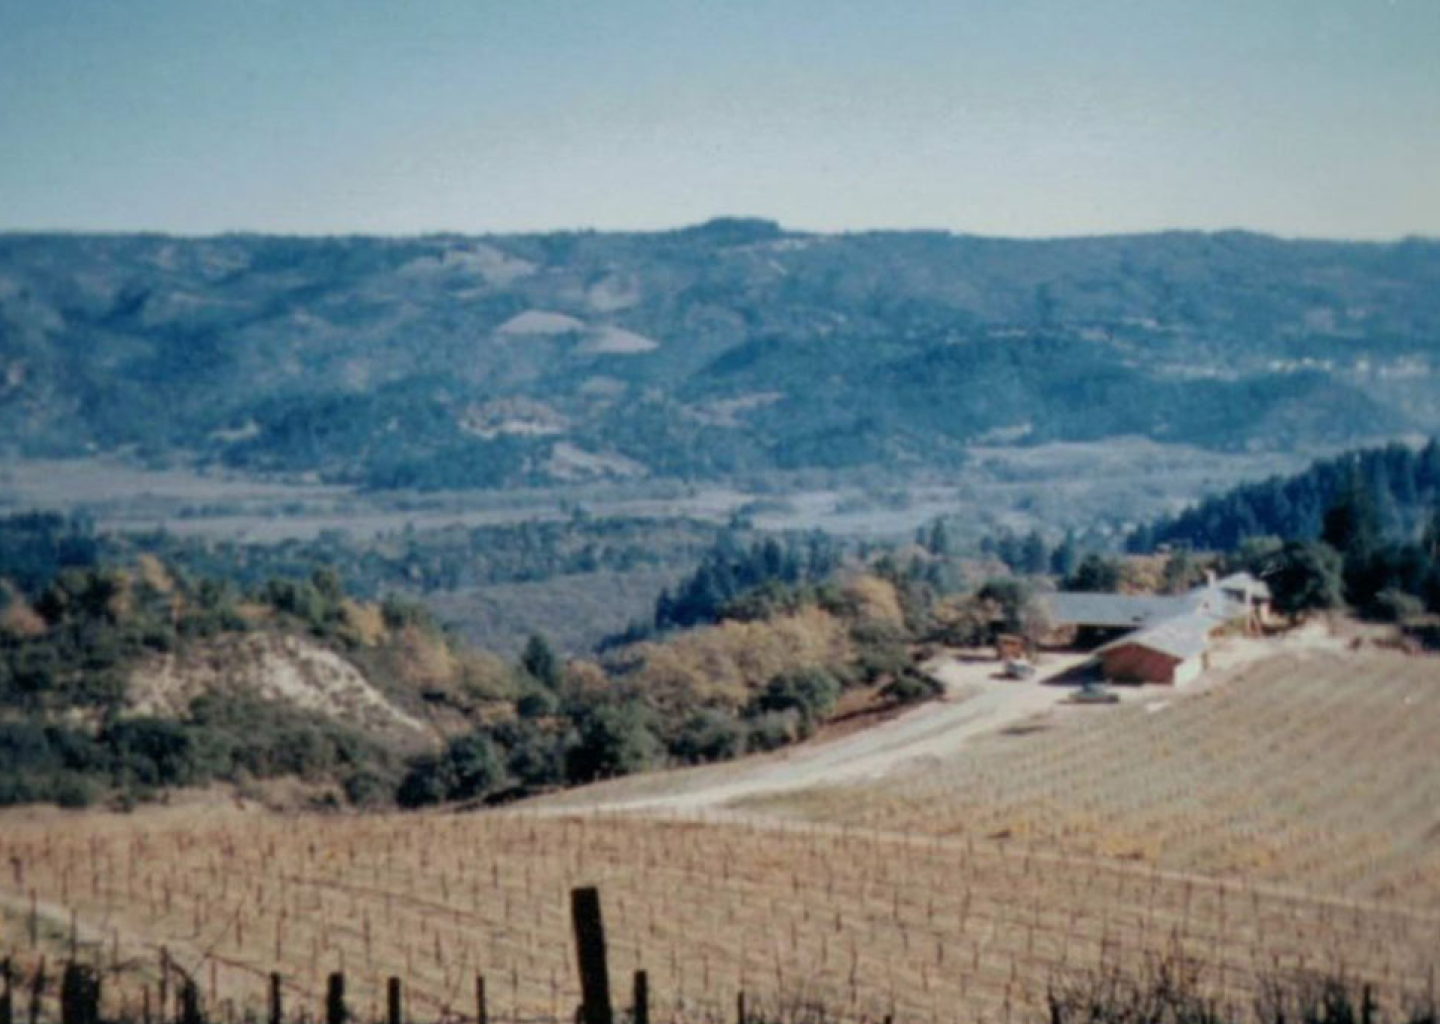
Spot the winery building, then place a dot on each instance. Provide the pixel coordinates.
(1142, 638)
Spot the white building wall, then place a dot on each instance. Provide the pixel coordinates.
(1188, 670)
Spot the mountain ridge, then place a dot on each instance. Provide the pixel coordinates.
(362, 359)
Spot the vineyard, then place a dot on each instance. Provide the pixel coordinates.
(871, 925)
(1282, 821)
(1320, 771)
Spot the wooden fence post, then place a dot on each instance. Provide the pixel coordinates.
(164, 1007)
(392, 1001)
(79, 995)
(740, 1007)
(189, 1002)
(482, 1012)
(335, 999)
(277, 999)
(7, 1003)
(590, 953)
(37, 991)
(70, 995)
(640, 1014)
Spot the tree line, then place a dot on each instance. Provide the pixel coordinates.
(1359, 530)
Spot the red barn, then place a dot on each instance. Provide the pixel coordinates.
(1172, 652)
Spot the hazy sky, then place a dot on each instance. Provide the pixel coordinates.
(1301, 117)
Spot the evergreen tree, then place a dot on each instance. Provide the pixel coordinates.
(1352, 523)
(1305, 576)
(1095, 574)
(540, 662)
(939, 541)
(1033, 556)
(1065, 557)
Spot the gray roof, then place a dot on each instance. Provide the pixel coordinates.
(1244, 581)
(1181, 637)
(1073, 608)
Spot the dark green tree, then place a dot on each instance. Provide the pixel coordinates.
(1305, 576)
(1066, 557)
(1013, 597)
(539, 661)
(613, 740)
(1095, 573)
(1034, 558)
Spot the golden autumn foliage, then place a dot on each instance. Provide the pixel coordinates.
(363, 621)
(724, 664)
(17, 618)
(152, 572)
(484, 676)
(427, 659)
(875, 600)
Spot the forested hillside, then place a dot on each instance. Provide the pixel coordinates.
(1401, 484)
(123, 675)
(732, 347)
(1362, 529)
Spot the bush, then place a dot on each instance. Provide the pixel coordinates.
(1392, 605)
(534, 757)
(708, 735)
(154, 751)
(538, 703)
(613, 740)
(366, 788)
(424, 784)
(880, 651)
(1095, 573)
(911, 688)
(772, 730)
(810, 692)
(74, 791)
(469, 769)
(17, 789)
(474, 767)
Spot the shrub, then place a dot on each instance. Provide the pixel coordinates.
(74, 791)
(911, 688)
(1393, 605)
(613, 740)
(538, 703)
(534, 757)
(366, 788)
(708, 735)
(810, 692)
(880, 651)
(772, 730)
(425, 783)
(1095, 573)
(155, 751)
(474, 767)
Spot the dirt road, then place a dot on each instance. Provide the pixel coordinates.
(976, 701)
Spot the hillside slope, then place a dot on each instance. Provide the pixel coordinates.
(730, 347)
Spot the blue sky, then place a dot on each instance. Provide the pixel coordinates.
(1013, 117)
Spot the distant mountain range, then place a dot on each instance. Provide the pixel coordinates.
(732, 347)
